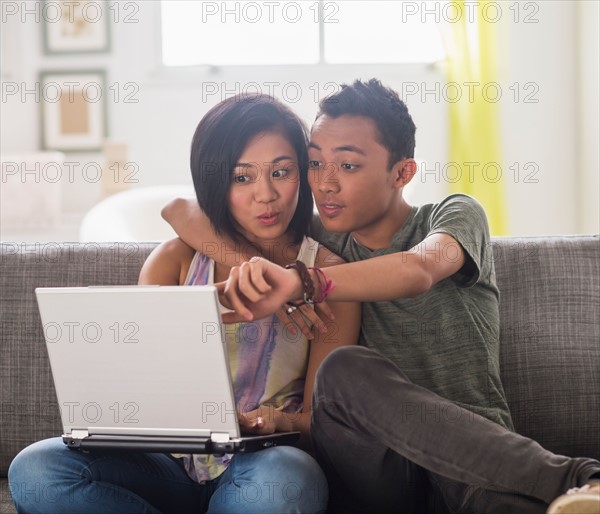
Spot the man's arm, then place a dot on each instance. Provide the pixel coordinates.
(398, 275)
(258, 288)
(194, 227)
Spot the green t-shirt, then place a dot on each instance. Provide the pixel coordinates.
(447, 339)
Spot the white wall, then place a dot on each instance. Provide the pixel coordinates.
(588, 97)
(559, 134)
(544, 56)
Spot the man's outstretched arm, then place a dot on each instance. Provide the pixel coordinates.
(398, 275)
(258, 288)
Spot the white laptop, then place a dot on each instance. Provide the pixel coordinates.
(143, 368)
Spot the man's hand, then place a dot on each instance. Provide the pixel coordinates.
(257, 289)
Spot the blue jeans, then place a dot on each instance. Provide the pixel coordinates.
(47, 477)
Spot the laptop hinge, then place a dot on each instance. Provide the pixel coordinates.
(219, 437)
(79, 434)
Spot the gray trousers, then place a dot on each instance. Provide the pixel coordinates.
(384, 449)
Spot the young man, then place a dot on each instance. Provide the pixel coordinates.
(420, 402)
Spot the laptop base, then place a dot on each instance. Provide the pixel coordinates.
(173, 444)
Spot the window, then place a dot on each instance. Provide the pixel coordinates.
(228, 33)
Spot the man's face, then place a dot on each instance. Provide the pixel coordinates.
(348, 174)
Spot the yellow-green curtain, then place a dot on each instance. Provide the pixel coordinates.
(474, 119)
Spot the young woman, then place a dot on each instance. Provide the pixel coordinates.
(249, 166)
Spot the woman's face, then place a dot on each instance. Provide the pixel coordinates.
(264, 191)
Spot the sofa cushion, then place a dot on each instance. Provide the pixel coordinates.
(6, 504)
(550, 339)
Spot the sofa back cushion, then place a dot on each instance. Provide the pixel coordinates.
(549, 312)
(550, 339)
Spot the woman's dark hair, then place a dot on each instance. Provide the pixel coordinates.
(219, 141)
(381, 104)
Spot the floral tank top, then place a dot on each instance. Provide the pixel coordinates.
(268, 364)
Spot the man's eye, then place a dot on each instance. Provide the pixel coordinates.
(314, 164)
(280, 173)
(348, 166)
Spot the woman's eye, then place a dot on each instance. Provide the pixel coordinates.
(314, 164)
(280, 173)
(241, 179)
(348, 166)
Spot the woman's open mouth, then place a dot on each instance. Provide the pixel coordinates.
(269, 218)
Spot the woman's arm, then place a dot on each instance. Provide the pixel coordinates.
(194, 227)
(167, 265)
(341, 332)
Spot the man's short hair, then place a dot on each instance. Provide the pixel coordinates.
(382, 105)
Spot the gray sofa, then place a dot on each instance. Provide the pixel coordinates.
(550, 336)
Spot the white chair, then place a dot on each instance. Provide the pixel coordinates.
(132, 215)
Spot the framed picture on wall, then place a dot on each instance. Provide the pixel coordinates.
(73, 110)
(76, 27)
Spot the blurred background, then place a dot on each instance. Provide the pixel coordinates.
(100, 101)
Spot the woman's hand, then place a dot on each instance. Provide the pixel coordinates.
(257, 289)
(305, 318)
(260, 421)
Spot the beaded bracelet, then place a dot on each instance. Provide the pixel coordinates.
(326, 284)
(309, 287)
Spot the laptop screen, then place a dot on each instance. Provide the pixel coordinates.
(146, 360)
